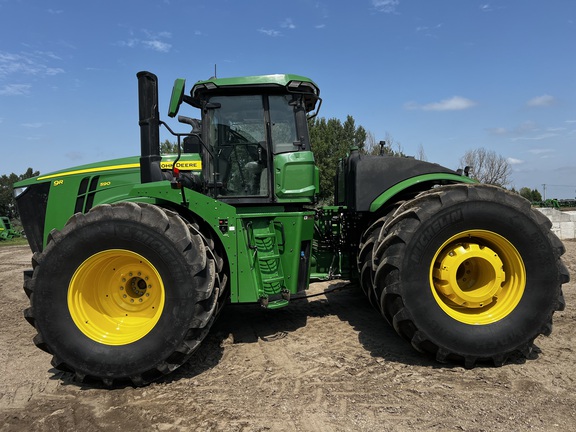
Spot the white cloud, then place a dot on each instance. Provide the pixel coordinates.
(514, 161)
(531, 131)
(386, 6)
(541, 101)
(526, 131)
(54, 71)
(427, 29)
(455, 103)
(320, 26)
(268, 32)
(287, 23)
(15, 90)
(527, 127)
(157, 45)
(130, 43)
(536, 137)
(28, 63)
(152, 41)
(538, 151)
(33, 125)
(498, 131)
(48, 54)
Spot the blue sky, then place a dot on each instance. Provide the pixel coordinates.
(445, 75)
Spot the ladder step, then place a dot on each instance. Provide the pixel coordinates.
(276, 304)
(264, 235)
(272, 279)
(268, 265)
(268, 257)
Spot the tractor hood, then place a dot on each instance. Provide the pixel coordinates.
(185, 163)
(80, 188)
(98, 167)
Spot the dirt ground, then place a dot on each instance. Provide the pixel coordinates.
(329, 363)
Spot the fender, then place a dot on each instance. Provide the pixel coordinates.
(366, 182)
(425, 179)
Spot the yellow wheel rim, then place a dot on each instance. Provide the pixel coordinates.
(116, 297)
(477, 277)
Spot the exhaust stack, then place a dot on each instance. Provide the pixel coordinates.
(149, 121)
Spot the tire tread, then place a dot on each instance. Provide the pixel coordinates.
(198, 251)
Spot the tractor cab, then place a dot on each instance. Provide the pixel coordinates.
(254, 137)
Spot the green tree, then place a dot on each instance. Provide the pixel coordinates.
(7, 203)
(331, 141)
(168, 147)
(531, 195)
(536, 196)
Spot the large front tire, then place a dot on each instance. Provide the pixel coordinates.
(125, 292)
(469, 273)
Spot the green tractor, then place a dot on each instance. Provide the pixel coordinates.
(6, 230)
(134, 258)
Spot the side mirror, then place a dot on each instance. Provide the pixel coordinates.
(177, 97)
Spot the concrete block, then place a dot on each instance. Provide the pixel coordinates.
(563, 223)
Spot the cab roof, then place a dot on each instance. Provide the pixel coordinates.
(283, 83)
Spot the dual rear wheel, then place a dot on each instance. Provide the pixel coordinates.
(465, 272)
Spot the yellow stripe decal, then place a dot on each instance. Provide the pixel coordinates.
(91, 170)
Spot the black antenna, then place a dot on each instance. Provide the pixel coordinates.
(215, 76)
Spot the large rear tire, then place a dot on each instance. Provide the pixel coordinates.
(469, 273)
(365, 261)
(125, 292)
(365, 257)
